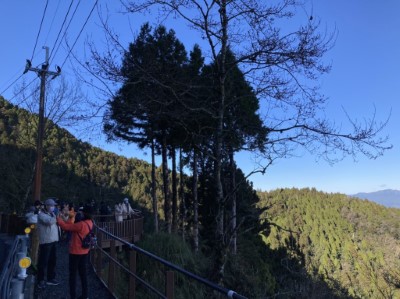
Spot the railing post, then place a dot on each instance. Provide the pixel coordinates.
(169, 284)
(98, 255)
(132, 279)
(7, 223)
(135, 230)
(111, 267)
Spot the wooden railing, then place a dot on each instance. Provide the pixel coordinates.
(129, 230)
(121, 277)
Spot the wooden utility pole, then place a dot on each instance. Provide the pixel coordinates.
(42, 72)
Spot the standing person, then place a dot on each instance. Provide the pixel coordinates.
(48, 238)
(78, 256)
(104, 211)
(126, 209)
(38, 206)
(118, 212)
(79, 213)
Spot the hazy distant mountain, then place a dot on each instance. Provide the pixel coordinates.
(388, 198)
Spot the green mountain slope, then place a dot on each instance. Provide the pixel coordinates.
(73, 170)
(350, 244)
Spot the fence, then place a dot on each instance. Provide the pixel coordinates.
(105, 264)
(129, 230)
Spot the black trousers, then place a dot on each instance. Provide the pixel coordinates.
(47, 261)
(78, 264)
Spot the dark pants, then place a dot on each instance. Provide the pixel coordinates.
(47, 261)
(77, 263)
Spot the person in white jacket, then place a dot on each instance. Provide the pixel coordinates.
(127, 210)
(48, 237)
(118, 212)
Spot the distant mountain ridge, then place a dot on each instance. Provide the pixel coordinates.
(389, 198)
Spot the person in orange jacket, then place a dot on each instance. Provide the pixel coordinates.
(78, 256)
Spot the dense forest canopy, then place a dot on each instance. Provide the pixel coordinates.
(74, 171)
(352, 245)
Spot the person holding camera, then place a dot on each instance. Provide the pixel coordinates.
(78, 256)
(48, 238)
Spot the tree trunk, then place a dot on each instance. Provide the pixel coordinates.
(195, 204)
(220, 244)
(153, 186)
(167, 203)
(182, 194)
(233, 221)
(174, 191)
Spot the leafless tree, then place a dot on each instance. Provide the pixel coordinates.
(282, 58)
(63, 104)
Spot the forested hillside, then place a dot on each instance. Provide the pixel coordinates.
(351, 244)
(72, 170)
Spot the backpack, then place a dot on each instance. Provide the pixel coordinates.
(90, 240)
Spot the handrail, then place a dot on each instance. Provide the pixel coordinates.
(222, 290)
(143, 282)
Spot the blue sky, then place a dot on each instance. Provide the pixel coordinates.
(365, 76)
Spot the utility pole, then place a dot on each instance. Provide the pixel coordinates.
(42, 72)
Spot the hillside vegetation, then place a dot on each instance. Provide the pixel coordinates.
(73, 170)
(351, 244)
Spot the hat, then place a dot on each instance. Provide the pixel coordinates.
(126, 199)
(50, 202)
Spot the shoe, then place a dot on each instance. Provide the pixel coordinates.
(41, 284)
(80, 297)
(53, 282)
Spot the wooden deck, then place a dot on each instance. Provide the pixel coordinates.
(130, 230)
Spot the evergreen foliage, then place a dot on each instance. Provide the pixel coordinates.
(350, 244)
(172, 248)
(73, 171)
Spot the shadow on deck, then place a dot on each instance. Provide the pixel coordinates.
(96, 288)
(128, 230)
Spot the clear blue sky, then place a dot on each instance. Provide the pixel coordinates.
(365, 75)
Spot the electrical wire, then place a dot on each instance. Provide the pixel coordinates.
(80, 32)
(11, 84)
(40, 29)
(15, 75)
(52, 21)
(66, 29)
(23, 89)
(62, 26)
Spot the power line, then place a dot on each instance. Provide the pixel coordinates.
(52, 21)
(62, 25)
(23, 89)
(13, 76)
(66, 29)
(11, 84)
(40, 28)
(80, 32)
